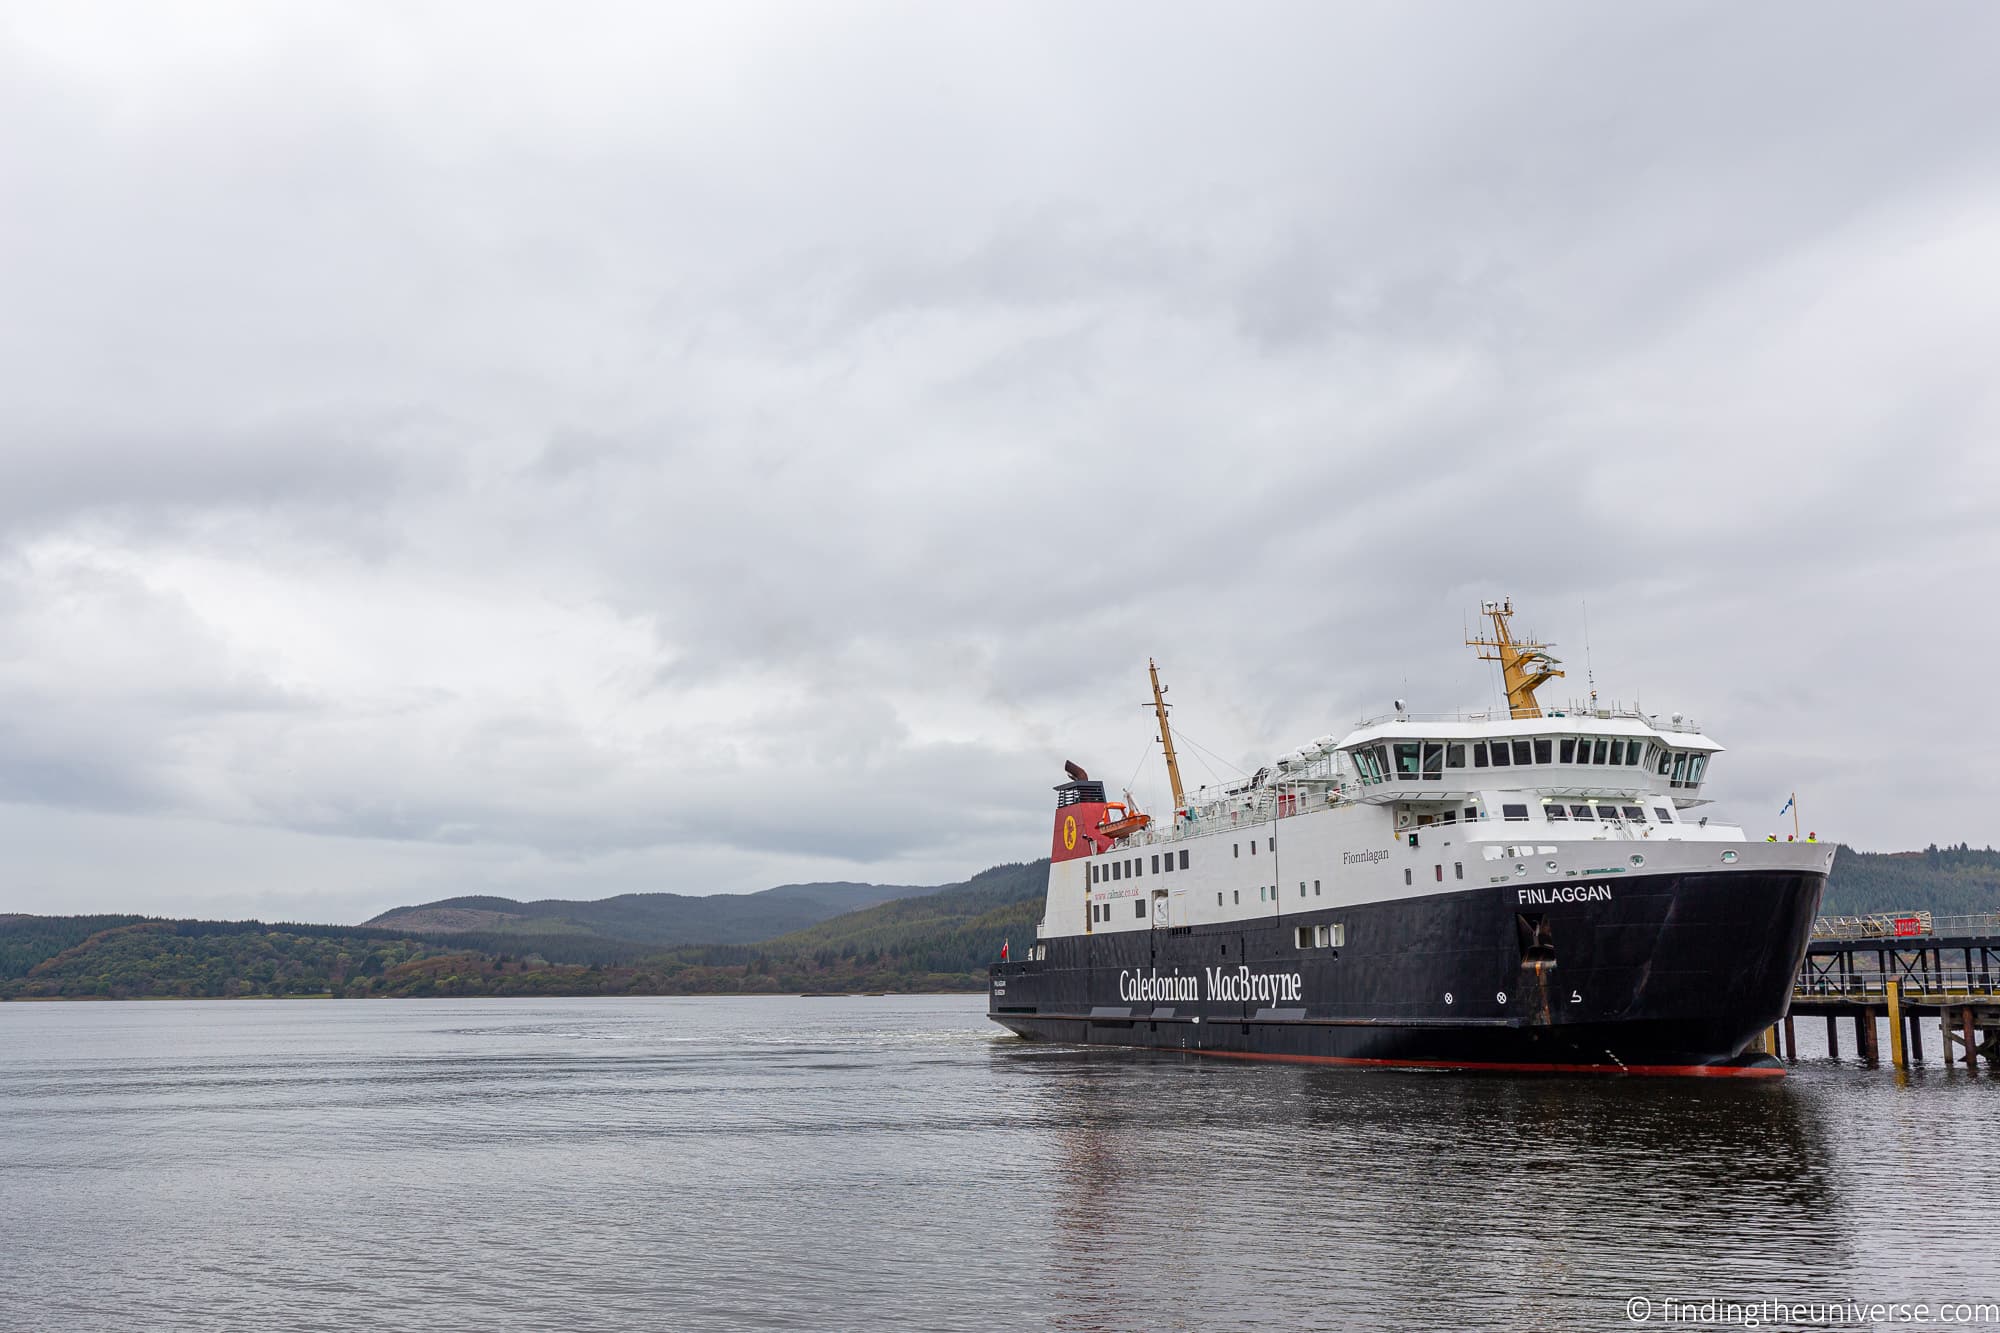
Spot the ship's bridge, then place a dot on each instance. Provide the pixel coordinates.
(1416, 757)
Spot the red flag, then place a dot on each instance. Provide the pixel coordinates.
(1003, 951)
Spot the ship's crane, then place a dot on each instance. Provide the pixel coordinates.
(1525, 665)
(1166, 736)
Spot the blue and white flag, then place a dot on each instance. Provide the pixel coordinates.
(1788, 804)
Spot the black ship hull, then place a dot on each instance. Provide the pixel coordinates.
(1645, 974)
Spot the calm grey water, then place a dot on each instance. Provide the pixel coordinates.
(861, 1163)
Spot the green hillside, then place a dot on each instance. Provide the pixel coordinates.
(27, 940)
(141, 958)
(660, 920)
(940, 940)
(1949, 881)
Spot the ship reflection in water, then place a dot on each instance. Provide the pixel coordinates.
(895, 1163)
(1199, 1191)
(1430, 1200)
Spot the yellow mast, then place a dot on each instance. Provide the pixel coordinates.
(1525, 665)
(1166, 735)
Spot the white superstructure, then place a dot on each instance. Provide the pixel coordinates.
(1407, 805)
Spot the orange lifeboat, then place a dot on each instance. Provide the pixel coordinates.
(1128, 822)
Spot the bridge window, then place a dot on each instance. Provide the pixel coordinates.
(1583, 749)
(1454, 756)
(1608, 813)
(1479, 754)
(1433, 761)
(1600, 751)
(1524, 753)
(1568, 750)
(1632, 749)
(1500, 759)
(1556, 812)
(1407, 755)
(1680, 768)
(1543, 748)
(1582, 812)
(1618, 752)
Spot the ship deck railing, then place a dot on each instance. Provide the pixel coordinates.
(1266, 807)
(1601, 711)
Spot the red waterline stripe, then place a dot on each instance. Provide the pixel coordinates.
(1666, 1071)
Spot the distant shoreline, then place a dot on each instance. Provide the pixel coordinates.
(588, 995)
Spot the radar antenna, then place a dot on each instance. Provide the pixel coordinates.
(1525, 665)
(1166, 735)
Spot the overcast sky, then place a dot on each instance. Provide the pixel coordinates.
(567, 450)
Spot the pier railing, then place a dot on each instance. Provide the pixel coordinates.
(1872, 987)
(1903, 925)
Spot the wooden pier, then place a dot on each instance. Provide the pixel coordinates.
(1910, 969)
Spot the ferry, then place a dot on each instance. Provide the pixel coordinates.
(1516, 890)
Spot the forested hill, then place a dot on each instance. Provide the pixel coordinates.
(939, 939)
(943, 941)
(1949, 881)
(659, 919)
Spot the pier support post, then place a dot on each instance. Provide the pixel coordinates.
(1945, 1035)
(1894, 990)
(1916, 1038)
(1971, 1043)
(1833, 1036)
(1864, 1036)
(1791, 1040)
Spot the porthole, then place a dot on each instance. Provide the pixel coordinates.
(1550, 866)
(1728, 856)
(1447, 997)
(1520, 870)
(1500, 996)
(1638, 860)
